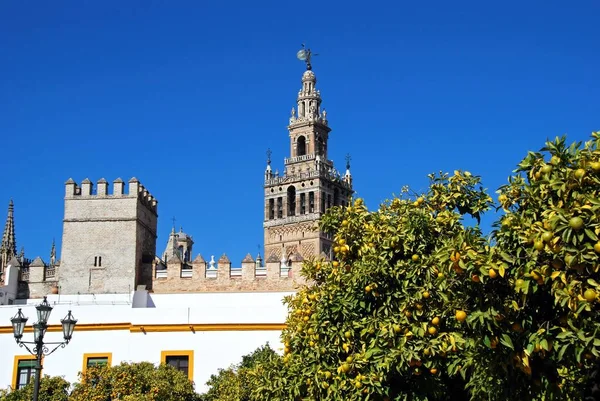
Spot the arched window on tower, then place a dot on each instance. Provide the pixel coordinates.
(336, 197)
(301, 146)
(291, 200)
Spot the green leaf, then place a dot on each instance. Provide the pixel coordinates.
(505, 339)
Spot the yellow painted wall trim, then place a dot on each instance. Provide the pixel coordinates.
(107, 355)
(146, 328)
(149, 328)
(188, 353)
(79, 327)
(16, 367)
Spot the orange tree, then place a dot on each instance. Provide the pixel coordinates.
(549, 238)
(134, 382)
(233, 383)
(386, 319)
(52, 388)
(417, 305)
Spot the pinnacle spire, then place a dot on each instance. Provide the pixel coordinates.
(8, 246)
(53, 254)
(9, 242)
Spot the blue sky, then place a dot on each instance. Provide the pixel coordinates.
(187, 97)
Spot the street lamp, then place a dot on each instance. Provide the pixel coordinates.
(40, 348)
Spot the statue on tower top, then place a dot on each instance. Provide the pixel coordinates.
(305, 54)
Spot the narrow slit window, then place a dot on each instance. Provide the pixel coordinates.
(280, 207)
(302, 203)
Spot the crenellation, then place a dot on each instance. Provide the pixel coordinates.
(135, 190)
(214, 276)
(86, 187)
(134, 187)
(118, 187)
(248, 268)
(224, 268)
(101, 187)
(70, 188)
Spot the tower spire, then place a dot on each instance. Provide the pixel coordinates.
(53, 254)
(268, 171)
(348, 176)
(8, 246)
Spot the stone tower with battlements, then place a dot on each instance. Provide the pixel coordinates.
(309, 185)
(109, 239)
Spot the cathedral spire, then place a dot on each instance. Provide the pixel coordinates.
(8, 246)
(9, 242)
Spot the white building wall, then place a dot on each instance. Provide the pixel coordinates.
(163, 322)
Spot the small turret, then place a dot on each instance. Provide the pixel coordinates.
(348, 176)
(268, 171)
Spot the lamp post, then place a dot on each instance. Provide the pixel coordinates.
(40, 348)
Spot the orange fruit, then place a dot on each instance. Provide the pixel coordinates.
(547, 236)
(590, 295)
(576, 223)
(461, 315)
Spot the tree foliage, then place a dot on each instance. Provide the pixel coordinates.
(418, 305)
(234, 383)
(52, 388)
(134, 382)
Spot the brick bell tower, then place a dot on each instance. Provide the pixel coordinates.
(309, 185)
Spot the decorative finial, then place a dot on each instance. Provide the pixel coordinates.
(269, 156)
(348, 158)
(305, 55)
(174, 220)
(53, 253)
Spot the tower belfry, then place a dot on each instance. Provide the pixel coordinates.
(309, 185)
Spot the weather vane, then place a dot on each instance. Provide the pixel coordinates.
(348, 159)
(269, 156)
(305, 55)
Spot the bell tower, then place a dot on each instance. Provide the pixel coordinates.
(309, 185)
